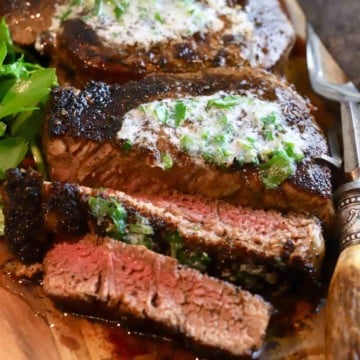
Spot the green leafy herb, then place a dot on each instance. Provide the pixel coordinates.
(110, 208)
(26, 94)
(277, 169)
(127, 146)
(290, 150)
(120, 7)
(162, 114)
(225, 102)
(199, 260)
(180, 113)
(141, 229)
(159, 18)
(24, 88)
(269, 120)
(175, 243)
(167, 161)
(268, 135)
(186, 142)
(2, 128)
(219, 139)
(13, 151)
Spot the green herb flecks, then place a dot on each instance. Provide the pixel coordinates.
(281, 165)
(225, 102)
(111, 215)
(103, 209)
(196, 259)
(24, 88)
(162, 114)
(180, 113)
(159, 18)
(167, 161)
(94, 8)
(126, 145)
(186, 142)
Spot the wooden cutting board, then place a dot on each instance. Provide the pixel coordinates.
(32, 328)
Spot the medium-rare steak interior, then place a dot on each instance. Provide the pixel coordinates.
(261, 250)
(239, 134)
(119, 41)
(110, 278)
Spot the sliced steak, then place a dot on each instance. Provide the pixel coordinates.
(239, 134)
(166, 36)
(258, 249)
(110, 278)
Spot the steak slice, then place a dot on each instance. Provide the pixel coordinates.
(115, 280)
(257, 249)
(134, 136)
(184, 36)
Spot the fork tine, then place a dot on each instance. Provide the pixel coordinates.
(322, 67)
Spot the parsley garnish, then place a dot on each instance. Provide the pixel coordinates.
(24, 89)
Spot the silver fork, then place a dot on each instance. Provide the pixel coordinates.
(328, 80)
(326, 77)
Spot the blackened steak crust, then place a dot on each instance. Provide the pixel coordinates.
(82, 147)
(110, 278)
(254, 248)
(80, 54)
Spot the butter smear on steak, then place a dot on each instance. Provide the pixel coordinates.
(222, 129)
(145, 23)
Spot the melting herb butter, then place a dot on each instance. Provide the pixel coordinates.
(221, 129)
(116, 222)
(144, 23)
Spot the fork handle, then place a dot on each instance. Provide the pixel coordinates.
(342, 321)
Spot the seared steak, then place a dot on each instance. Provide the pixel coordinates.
(254, 248)
(110, 278)
(165, 36)
(27, 19)
(243, 135)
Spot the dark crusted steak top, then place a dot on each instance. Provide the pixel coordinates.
(97, 112)
(261, 37)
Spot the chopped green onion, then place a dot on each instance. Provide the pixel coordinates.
(141, 229)
(162, 114)
(167, 161)
(225, 102)
(180, 113)
(277, 169)
(159, 18)
(127, 146)
(186, 142)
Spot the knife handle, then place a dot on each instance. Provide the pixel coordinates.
(342, 319)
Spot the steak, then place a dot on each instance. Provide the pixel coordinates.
(27, 19)
(116, 280)
(178, 37)
(242, 135)
(257, 249)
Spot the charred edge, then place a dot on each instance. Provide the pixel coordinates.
(95, 113)
(61, 210)
(32, 219)
(24, 214)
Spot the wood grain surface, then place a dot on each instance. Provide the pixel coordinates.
(337, 23)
